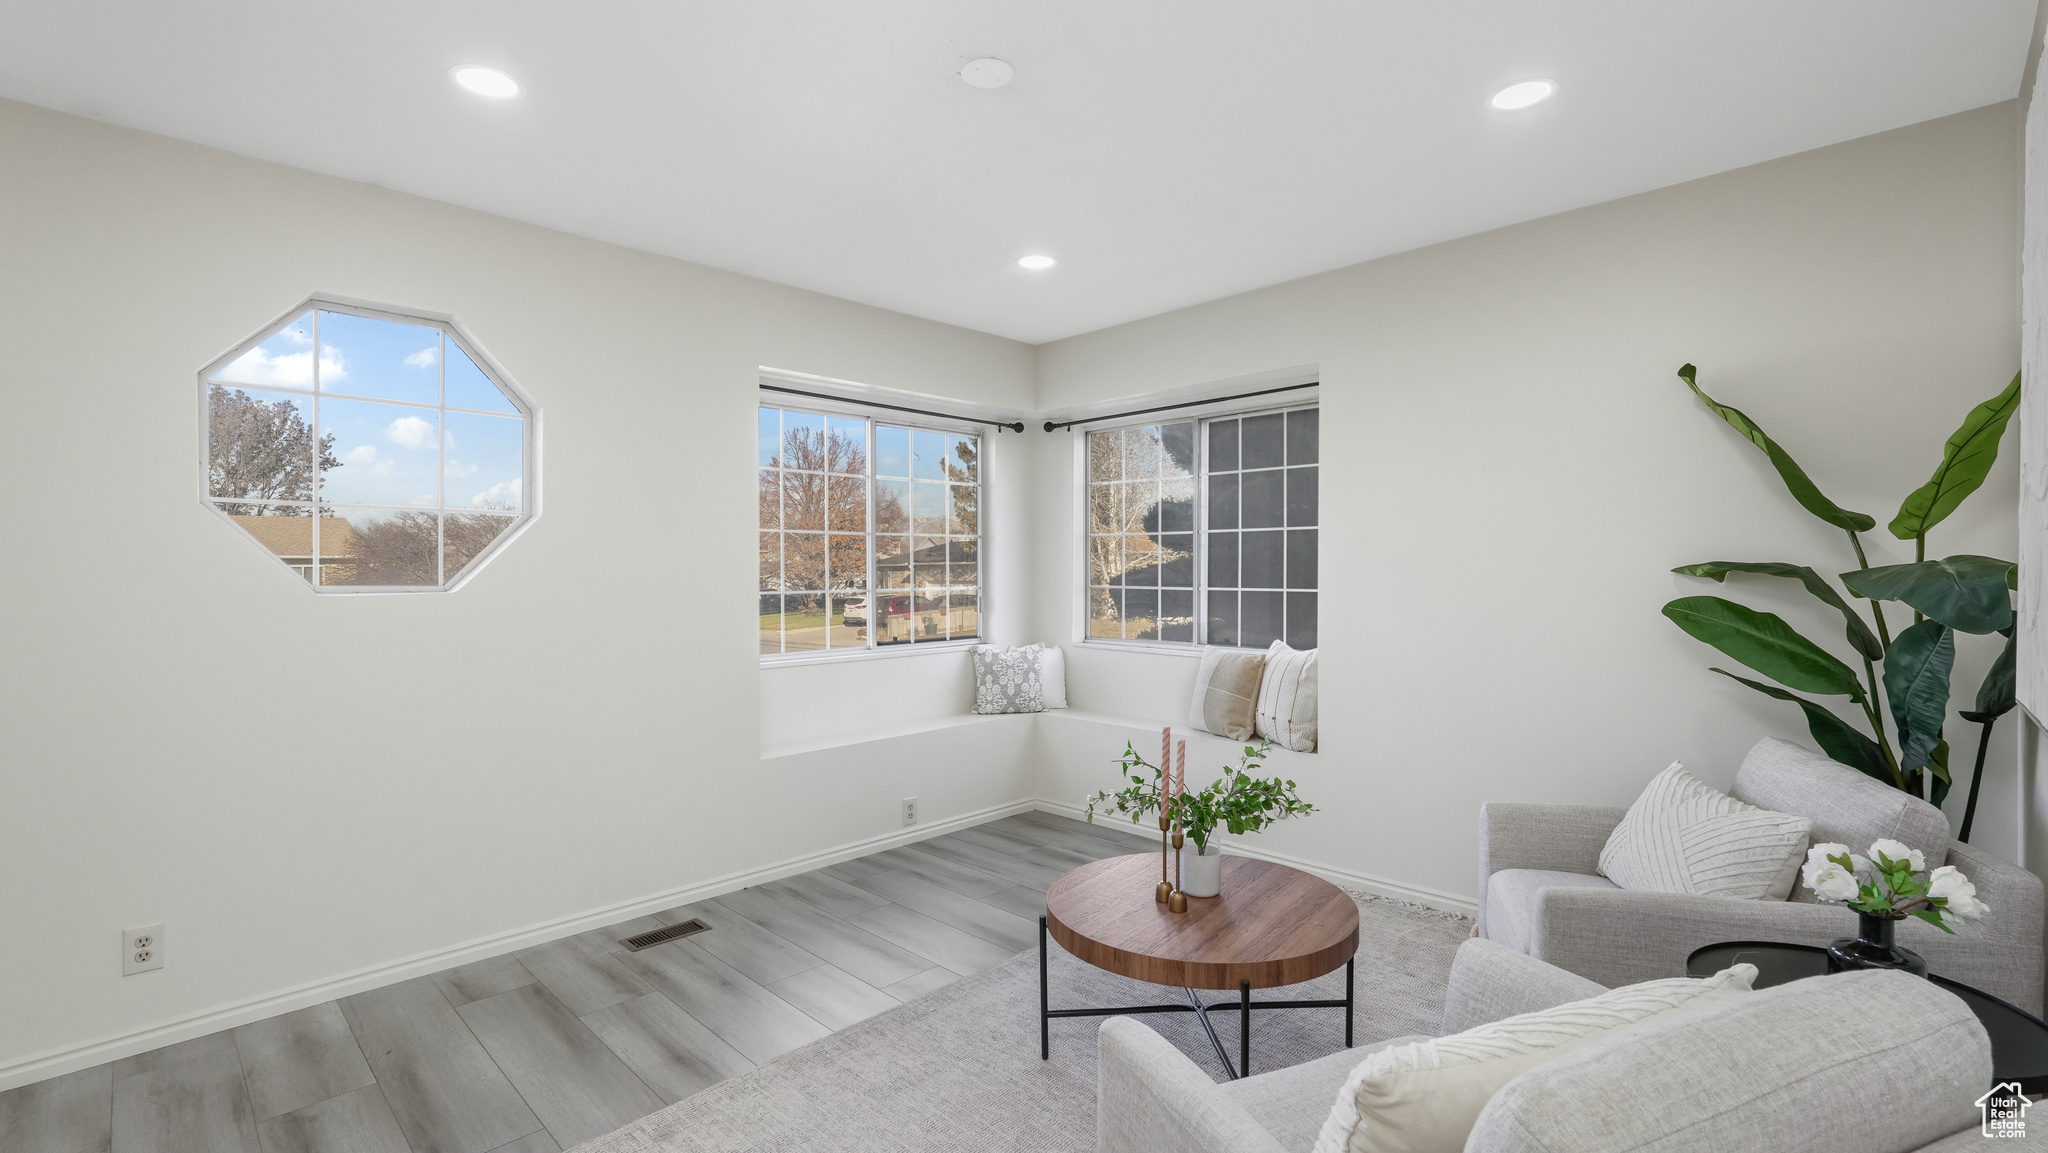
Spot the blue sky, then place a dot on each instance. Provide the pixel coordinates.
(388, 456)
(389, 452)
(362, 356)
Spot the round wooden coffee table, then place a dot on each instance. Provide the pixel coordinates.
(1271, 926)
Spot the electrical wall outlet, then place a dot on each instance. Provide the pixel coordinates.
(910, 810)
(142, 949)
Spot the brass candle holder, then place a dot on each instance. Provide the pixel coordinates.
(1165, 888)
(1177, 901)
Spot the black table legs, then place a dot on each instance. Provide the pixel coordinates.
(1244, 1006)
(1044, 1010)
(1244, 1028)
(1348, 1000)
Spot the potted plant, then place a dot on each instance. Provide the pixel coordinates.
(1905, 675)
(1239, 801)
(1885, 888)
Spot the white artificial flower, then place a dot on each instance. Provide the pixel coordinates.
(1898, 853)
(1834, 884)
(1948, 881)
(1817, 859)
(1969, 908)
(1861, 866)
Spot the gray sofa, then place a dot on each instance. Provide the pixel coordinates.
(1873, 1062)
(1540, 892)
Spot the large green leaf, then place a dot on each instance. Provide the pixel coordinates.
(1964, 592)
(1965, 460)
(1836, 736)
(1937, 764)
(1995, 696)
(1859, 633)
(1916, 682)
(1764, 642)
(1803, 489)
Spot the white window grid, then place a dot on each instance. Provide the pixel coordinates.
(449, 330)
(960, 611)
(1295, 598)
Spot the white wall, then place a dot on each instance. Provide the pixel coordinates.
(305, 788)
(1510, 469)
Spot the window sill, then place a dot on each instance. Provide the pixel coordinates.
(1161, 648)
(784, 660)
(1181, 728)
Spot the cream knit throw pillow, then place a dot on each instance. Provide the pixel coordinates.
(1424, 1097)
(1226, 691)
(1682, 836)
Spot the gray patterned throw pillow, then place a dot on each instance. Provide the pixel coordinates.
(1006, 680)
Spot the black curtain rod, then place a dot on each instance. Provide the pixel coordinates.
(1052, 427)
(1013, 426)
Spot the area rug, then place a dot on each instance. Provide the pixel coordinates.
(958, 1068)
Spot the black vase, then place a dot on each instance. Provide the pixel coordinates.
(1872, 948)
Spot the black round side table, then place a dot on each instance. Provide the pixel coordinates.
(2019, 1040)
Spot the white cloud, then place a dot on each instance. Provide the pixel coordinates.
(362, 460)
(460, 471)
(292, 368)
(424, 358)
(502, 493)
(261, 367)
(411, 432)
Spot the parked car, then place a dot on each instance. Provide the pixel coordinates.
(856, 613)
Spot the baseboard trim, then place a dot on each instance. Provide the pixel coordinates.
(1365, 882)
(57, 1062)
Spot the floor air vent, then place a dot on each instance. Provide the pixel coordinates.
(661, 936)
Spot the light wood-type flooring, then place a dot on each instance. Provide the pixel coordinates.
(546, 1047)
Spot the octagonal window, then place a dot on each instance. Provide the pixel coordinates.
(368, 449)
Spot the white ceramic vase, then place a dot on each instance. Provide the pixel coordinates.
(1201, 872)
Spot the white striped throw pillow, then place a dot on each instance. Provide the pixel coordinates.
(1287, 698)
(1424, 1097)
(1682, 836)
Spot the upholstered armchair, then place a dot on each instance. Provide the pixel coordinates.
(1540, 890)
(1789, 1067)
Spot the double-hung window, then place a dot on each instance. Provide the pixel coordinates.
(870, 533)
(1204, 531)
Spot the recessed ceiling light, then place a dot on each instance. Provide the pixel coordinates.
(987, 72)
(1524, 94)
(484, 81)
(1036, 263)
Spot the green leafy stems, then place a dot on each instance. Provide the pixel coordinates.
(1963, 593)
(1893, 891)
(1239, 801)
(1144, 794)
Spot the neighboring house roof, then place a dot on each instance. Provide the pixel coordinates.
(959, 550)
(292, 536)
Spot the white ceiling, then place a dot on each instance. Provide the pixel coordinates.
(1166, 151)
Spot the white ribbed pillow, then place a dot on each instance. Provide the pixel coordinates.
(1286, 714)
(1682, 836)
(1424, 1097)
